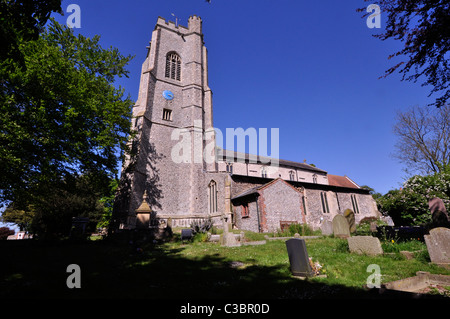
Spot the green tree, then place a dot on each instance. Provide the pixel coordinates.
(108, 202)
(423, 27)
(409, 205)
(21, 217)
(21, 21)
(49, 214)
(61, 113)
(372, 191)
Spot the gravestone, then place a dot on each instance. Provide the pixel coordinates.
(78, 229)
(365, 245)
(388, 220)
(439, 215)
(298, 257)
(186, 234)
(438, 245)
(350, 216)
(340, 227)
(436, 204)
(327, 228)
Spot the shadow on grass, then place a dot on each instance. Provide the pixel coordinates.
(32, 269)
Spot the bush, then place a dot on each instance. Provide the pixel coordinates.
(200, 237)
(341, 246)
(363, 229)
(409, 206)
(201, 225)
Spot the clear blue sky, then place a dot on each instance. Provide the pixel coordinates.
(309, 68)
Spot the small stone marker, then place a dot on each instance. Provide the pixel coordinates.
(229, 240)
(438, 245)
(365, 245)
(327, 228)
(298, 257)
(186, 234)
(350, 216)
(340, 227)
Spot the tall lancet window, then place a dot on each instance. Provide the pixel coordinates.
(173, 66)
(212, 197)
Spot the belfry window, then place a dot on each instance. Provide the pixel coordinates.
(212, 197)
(167, 115)
(173, 66)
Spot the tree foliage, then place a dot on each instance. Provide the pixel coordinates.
(22, 217)
(424, 28)
(21, 21)
(5, 232)
(61, 113)
(50, 214)
(409, 205)
(423, 139)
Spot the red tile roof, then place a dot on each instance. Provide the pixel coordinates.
(341, 181)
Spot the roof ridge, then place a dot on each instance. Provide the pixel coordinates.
(223, 152)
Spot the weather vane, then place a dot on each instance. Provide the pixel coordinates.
(176, 20)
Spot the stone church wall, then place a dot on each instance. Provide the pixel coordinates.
(279, 203)
(251, 221)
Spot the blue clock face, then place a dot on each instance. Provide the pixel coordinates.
(168, 95)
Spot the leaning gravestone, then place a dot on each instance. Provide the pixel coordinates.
(365, 245)
(298, 257)
(436, 204)
(438, 245)
(340, 227)
(350, 216)
(327, 228)
(439, 216)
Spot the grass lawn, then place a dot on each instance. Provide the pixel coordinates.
(178, 270)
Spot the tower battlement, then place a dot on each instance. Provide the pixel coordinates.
(194, 25)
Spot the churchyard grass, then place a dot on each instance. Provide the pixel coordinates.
(341, 267)
(177, 269)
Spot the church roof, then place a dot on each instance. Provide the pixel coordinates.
(254, 190)
(341, 181)
(222, 154)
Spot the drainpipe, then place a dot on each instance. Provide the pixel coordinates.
(257, 214)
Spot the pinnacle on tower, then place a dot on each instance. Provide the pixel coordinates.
(195, 24)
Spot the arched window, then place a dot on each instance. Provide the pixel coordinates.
(173, 66)
(212, 197)
(230, 168)
(264, 172)
(292, 175)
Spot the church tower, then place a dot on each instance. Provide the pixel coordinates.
(172, 118)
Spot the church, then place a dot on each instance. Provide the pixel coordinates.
(247, 191)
